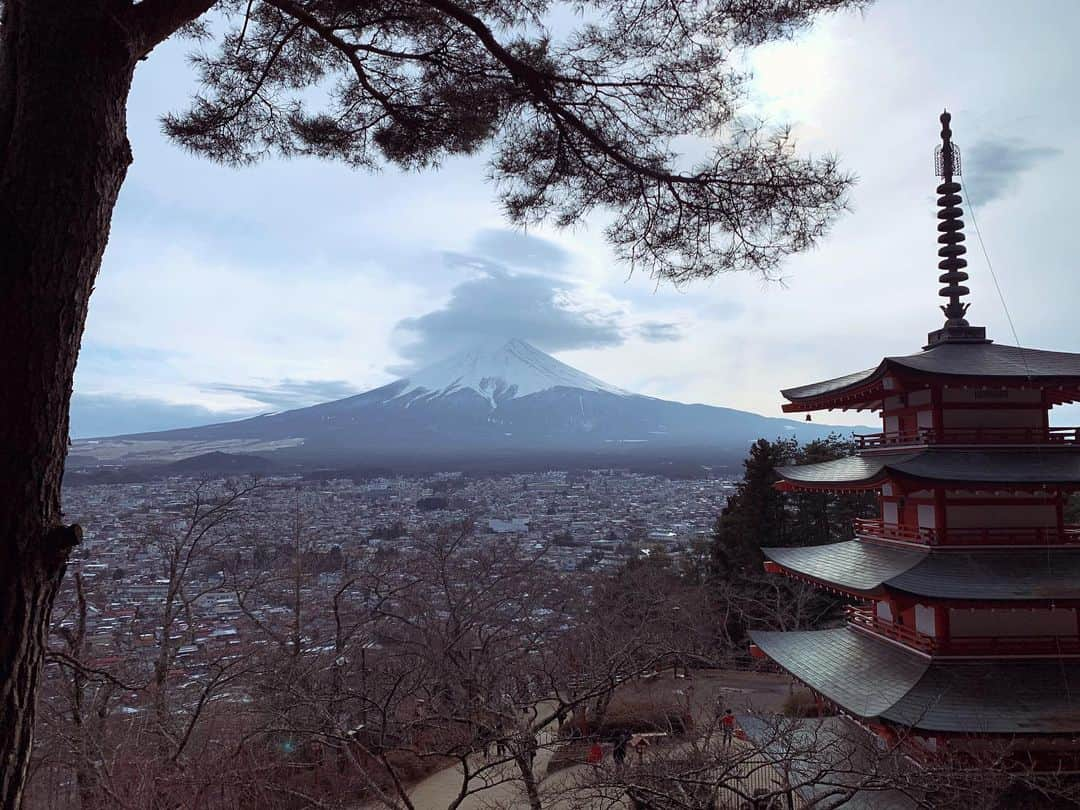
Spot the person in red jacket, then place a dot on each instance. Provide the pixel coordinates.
(596, 753)
(727, 725)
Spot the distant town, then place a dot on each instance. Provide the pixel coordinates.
(580, 520)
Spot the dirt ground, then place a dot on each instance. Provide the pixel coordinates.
(707, 689)
(704, 690)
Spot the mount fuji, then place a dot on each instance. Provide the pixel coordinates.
(507, 400)
(500, 372)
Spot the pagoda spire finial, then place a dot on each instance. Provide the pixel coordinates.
(952, 250)
(950, 228)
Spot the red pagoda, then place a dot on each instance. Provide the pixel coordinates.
(966, 588)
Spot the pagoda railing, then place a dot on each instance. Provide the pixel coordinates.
(867, 619)
(998, 536)
(868, 527)
(1069, 436)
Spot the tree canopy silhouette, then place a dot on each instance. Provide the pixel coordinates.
(582, 107)
(578, 122)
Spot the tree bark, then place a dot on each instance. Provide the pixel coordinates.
(532, 791)
(65, 73)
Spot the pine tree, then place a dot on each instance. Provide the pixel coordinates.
(759, 516)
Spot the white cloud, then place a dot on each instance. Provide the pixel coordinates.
(302, 270)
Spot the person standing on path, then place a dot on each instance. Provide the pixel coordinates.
(619, 752)
(727, 725)
(596, 754)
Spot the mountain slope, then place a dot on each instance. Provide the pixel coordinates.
(505, 398)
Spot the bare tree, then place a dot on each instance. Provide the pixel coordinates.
(87, 679)
(453, 653)
(208, 521)
(125, 759)
(575, 123)
(362, 673)
(818, 764)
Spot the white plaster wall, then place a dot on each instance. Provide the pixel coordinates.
(889, 513)
(884, 612)
(927, 517)
(924, 620)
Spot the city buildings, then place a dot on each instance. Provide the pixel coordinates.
(579, 520)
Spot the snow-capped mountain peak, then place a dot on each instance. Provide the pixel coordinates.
(504, 370)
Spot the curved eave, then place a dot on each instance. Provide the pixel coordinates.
(960, 469)
(857, 391)
(876, 680)
(848, 473)
(853, 567)
(870, 569)
(975, 364)
(835, 587)
(865, 677)
(868, 395)
(838, 487)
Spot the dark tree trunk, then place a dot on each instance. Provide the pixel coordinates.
(532, 791)
(65, 72)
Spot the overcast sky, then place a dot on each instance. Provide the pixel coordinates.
(230, 292)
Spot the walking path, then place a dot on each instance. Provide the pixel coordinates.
(501, 786)
(497, 786)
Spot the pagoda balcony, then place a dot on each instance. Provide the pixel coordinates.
(1054, 436)
(865, 618)
(879, 530)
(968, 538)
(963, 646)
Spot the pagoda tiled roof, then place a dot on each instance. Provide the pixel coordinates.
(990, 575)
(875, 679)
(835, 385)
(990, 360)
(1049, 467)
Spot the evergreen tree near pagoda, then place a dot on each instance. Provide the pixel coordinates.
(580, 122)
(758, 516)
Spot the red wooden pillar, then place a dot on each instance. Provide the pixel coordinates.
(939, 515)
(1059, 508)
(937, 399)
(941, 624)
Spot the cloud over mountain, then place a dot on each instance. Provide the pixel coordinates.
(518, 249)
(519, 286)
(498, 303)
(288, 393)
(659, 332)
